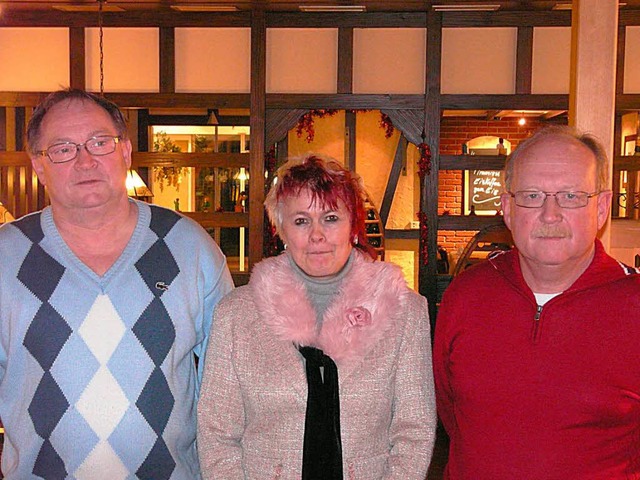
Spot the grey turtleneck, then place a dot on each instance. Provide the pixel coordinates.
(322, 290)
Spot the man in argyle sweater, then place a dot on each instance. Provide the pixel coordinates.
(105, 303)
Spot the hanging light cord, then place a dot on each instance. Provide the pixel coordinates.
(101, 33)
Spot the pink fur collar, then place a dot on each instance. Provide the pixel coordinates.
(364, 311)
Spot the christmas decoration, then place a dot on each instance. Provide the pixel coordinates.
(386, 124)
(424, 164)
(307, 123)
(424, 232)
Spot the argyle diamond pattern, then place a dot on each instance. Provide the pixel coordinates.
(156, 332)
(44, 339)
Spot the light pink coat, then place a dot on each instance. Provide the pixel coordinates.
(252, 406)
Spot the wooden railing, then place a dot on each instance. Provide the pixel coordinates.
(20, 190)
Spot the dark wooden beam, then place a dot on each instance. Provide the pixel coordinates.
(345, 86)
(617, 148)
(468, 222)
(337, 101)
(201, 120)
(345, 101)
(472, 162)
(506, 19)
(219, 219)
(628, 101)
(77, 75)
(257, 125)
(167, 60)
(138, 18)
(524, 60)
(505, 102)
(628, 18)
(427, 270)
(345, 60)
(350, 139)
(3, 129)
(20, 127)
(449, 222)
(14, 159)
(392, 183)
(143, 100)
(194, 159)
(346, 19)
(630, 163)
(402, 234)
(143, 130)
(622, 38)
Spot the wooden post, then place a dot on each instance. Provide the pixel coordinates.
(594, 34)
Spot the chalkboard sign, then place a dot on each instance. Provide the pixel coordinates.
(482, 189)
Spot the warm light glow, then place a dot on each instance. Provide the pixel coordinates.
(136, 187)
(243, 175)
(522, 121)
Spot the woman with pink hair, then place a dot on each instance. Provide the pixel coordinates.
(320, 367)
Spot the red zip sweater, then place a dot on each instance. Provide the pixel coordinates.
(530, 393)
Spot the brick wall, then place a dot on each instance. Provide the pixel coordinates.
(454, 131)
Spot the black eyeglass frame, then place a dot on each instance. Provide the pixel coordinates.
(116, 140)
(587, 196)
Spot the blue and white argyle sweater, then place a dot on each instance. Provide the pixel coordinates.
(97, 374)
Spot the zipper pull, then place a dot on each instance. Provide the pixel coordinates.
(535, 330)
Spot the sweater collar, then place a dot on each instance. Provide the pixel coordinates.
(602, 269)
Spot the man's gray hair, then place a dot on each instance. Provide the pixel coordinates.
(588, 140)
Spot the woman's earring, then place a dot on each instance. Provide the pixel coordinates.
(355, 240)
(285, 246)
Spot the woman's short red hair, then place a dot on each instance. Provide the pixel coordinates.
(327, 181)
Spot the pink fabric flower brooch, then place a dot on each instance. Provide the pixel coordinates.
(355, 318)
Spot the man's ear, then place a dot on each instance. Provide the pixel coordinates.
(505, 201)
(38, 167)
(125, 145)
(604, 207)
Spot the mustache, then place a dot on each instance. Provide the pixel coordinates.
(551, 231)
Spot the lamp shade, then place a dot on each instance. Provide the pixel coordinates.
(136, 187)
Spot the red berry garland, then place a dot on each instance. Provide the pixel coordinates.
(306, 122)
(387, 124)
(424, 164)
(424, 168)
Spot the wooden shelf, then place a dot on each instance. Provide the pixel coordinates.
(472, 162)
(219, 219)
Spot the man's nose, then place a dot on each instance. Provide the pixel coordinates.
(551, 211)
(84, 158)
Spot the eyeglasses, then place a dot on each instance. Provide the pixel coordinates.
(536, 199)
(67, 151)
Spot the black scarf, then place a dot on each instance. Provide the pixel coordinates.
(322, 453)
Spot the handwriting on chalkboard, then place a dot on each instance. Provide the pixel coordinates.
(483, 189)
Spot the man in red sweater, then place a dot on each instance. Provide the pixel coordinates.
(537, 351)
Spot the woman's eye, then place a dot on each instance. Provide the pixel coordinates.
(331, 218)
(300, 221)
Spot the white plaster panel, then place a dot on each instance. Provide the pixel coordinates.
(302, 60)
(131, 59)
(479, 60)
(216, 60)
(389, 60)
(551, 65)
(34, 59)
(374, 154)
(632, 60)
